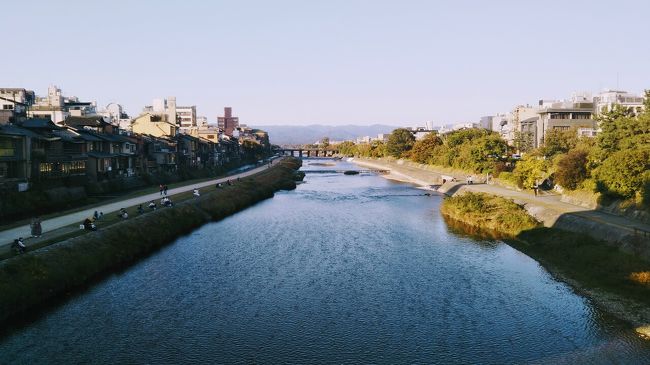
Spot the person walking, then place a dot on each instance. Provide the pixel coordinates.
(535, 188)
(35, 226)
(161, 189)
(165, 189)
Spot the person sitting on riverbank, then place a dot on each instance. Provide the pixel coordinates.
(140, 209)
(167, 202)
(19, 245)
(123, 214)
(196, 193)
(228, 182)
(89, 225)
(152, 205)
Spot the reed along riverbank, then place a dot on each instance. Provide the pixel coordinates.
(616, 281)
(31, 279)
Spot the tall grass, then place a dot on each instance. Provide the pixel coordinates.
(488, 212)
(29, 279)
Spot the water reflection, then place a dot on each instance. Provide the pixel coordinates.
(345, 269)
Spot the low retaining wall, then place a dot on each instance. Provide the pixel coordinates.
(30, 279)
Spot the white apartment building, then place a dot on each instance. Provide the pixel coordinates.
(57, 107)
(186, 115)
(51, 106)
(607, 98)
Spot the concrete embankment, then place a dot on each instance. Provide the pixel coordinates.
(549, 210)
(30, 279)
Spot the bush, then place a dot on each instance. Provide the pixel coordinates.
(488, 212)
(572, 169)
(624, 173)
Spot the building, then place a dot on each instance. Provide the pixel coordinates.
(50, 107)
(228, 124)
(116, 116)
(201, 122)
(577, 112)
(186, 116)
(608, 98)
(57, 107)
(163, 106)
(14, 101)
(157, 125)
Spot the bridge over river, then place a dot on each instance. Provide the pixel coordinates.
(307, 152)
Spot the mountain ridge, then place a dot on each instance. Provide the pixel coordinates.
(306, 134)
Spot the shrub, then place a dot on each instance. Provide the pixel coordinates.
(572, 169)
(488, 212)
(624, 173)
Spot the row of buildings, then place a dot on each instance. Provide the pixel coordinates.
(57, 137)
(579, 112)
(528, 124)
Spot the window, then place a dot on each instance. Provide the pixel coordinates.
(7, 147)
(8, 107)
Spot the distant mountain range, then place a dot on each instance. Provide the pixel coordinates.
(289, 134)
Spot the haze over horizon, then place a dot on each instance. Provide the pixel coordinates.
(332, 63)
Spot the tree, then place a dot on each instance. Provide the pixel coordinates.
(399, 142)
(423, 150)
(523, 141)
(558, 141)
(325, 142)
(572, 169)
(624, 173)
(530, 170)
(347, 148)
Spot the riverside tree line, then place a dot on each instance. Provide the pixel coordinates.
(615, 164)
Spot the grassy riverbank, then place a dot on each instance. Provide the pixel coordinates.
(32, 278)
(617, 281)
(488, 212)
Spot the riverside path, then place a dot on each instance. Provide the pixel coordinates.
(552, 203)
(7, 236)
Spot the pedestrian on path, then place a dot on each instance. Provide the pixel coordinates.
(165, 189)
(535, 188)
(37, 230)
(161, 189)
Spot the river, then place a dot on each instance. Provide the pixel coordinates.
(344, 269)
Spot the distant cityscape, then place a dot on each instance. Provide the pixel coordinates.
(533, 121)
(57, 137)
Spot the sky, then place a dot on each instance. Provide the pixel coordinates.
(330, 62)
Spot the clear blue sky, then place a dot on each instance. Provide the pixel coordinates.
(331, 62)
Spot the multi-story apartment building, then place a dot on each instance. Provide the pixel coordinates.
(228, 124)
(186, 116)
(577, 112)
(608, 98)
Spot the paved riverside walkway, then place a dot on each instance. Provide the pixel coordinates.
(9, 235)
(550, 202)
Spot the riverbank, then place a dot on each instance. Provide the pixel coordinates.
(30, 279)
(630, 236)
(614, 280)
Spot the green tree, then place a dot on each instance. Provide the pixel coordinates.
(456, 138)
(423, 150)
(347, 148)
(523, 141)
(325, 142)
(530, 170)
(624, 173)
(571, 169)
(558, 141)
(400, 142)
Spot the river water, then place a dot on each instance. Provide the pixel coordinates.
(345, 269)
